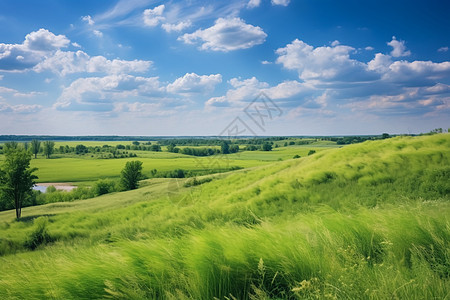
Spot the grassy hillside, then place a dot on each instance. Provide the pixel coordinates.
(367, 221)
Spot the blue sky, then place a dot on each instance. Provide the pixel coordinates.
(258, 67)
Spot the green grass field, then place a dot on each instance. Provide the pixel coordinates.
(83, 168)
(366, 221)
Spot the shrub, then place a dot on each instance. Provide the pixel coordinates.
(40, 235)
(104, 186)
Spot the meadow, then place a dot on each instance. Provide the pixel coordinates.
(365, 221)
(84, 169)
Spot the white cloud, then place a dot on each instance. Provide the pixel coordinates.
(280, 2)
(193, 83)
(19, 108)
(324, 64)
(265, 62)
(97, 33)
(227, 35)
(67, 62)
(36, 46)
(99, 93)
(180, 26)
(369, 48)
(244, 91)
(417, 72)
(17, 94)
(88, 19)
(153, 17)
(380, 63)
(335, 43)
(253, 3)
(443, 49)
(44, 40)
(76, 45)
(398, 48)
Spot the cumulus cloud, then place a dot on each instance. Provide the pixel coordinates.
(385, 84)
(324, 64)
(193, 83)
(443, 49)
(417, 72)
(44, 40)
(152, 17)
(180, 26)
(36, 46)
(398, 48)
(280, 2)
(68, 62)
(253, 3)
(245, 91)
(227, 35)
(380, 63)
(99, 93)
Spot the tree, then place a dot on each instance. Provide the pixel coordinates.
(385, 136)
(11, 145)
(16, 178)
(225, 147)
(48, 148)
(35, 147)
(131, 174)
(267, 147)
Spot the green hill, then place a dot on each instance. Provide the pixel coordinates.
(366, 221)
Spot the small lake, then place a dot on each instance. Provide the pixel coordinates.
(42, 187)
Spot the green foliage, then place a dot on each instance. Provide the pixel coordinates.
(49, 148)
(266, 147)
(225, 147)
(35, 147)
(104, 186)
(311, 152)
(131, 174)
(50, 189)
(296, 156)
(39, 236)
(197, 181)
(16, 179)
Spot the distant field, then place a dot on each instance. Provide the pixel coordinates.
(84, 168)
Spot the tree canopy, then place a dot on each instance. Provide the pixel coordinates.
(131, 174)
(16, 178)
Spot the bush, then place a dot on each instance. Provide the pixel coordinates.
(40, 235)
(311, 152)
(104, 186)
(296, 156)
(50, 189)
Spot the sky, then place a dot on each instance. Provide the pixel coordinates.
(228, 68)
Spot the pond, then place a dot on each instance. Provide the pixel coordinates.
(61, 186)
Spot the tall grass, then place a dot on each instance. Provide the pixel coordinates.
(367, 221)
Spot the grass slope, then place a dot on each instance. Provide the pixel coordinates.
(367, 221)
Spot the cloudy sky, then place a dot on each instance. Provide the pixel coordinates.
(258, 67)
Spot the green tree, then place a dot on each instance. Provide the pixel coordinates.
(131, 174)
(385, 136)
(267, 147)
(35, 147)
(11, 145)
(49, 147)
(16, 178)
(225, 147)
